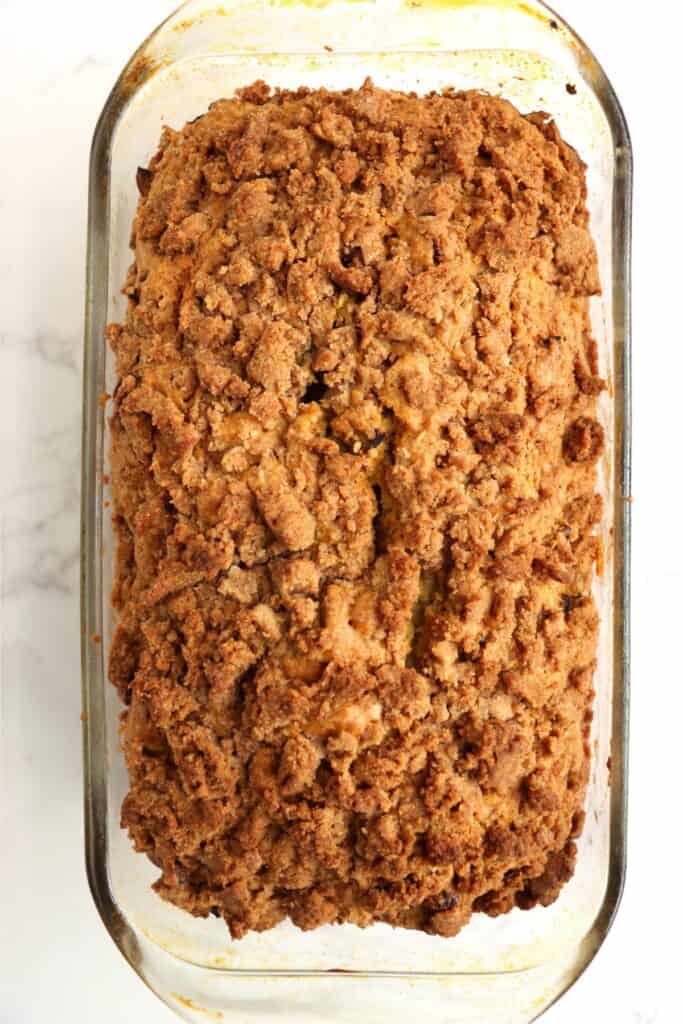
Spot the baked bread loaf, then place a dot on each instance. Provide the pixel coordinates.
(354, 446)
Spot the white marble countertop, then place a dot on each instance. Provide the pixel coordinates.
(57, 965)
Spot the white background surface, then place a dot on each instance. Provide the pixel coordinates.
(57, 965)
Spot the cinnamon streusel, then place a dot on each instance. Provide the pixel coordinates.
(354, 443)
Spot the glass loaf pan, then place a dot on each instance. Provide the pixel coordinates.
(507, 969)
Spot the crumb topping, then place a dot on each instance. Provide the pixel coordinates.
(354, 441)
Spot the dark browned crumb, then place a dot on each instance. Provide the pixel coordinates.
(571, 89)
(354, 442)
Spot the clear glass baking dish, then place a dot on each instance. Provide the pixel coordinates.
(509, 969)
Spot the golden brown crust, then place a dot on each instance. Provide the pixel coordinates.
(354, 446)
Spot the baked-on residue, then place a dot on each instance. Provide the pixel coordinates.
(354, 448)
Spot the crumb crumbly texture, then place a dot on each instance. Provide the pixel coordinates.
(354, 446)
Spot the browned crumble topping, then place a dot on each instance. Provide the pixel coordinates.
(354, 448)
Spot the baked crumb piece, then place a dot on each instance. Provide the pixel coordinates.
(354, 442)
